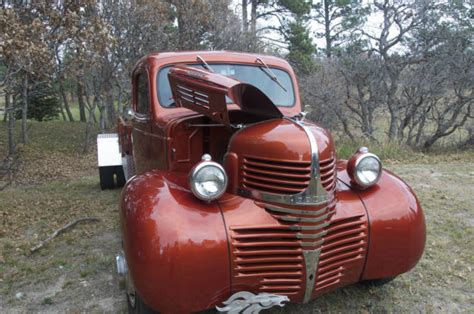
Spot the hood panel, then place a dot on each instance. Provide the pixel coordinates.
(205, 92)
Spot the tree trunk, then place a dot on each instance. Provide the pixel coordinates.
(182, 31)
(24, 112)
(393, 128)
(65, 101)
(253, 20)
(327, 29)
(80, 100)
(7, 101)
(245, 25)
(89, 127)
(109, 107)
(10, 114)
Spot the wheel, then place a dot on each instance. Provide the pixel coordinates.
(106, 175)
(378, 282)
(139, 306)
(134, 303)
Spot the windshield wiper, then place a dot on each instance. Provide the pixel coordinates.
(270, 73)
(204, 63)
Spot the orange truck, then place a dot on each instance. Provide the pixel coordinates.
(235, 201)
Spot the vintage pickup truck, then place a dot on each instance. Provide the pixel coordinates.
(233, 200)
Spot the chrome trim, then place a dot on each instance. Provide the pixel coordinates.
(317, 227)
(311, 258)
(121, 264)
(314, 194)
(128, 114)
(314, 243)
(206, 162)
(297, 211)
(365, 154)
(302, 219)
(247, 302)
(311, 235)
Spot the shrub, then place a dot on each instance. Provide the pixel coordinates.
(43, 104)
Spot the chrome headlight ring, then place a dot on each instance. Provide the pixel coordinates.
(365, 168)
(208, 179)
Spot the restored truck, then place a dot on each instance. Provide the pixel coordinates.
(234, 200)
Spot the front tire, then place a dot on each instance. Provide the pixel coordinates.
(134, 303)
(378, 282)
(138, 307)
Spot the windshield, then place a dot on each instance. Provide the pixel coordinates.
(250, 74)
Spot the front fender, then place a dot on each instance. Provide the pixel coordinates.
(397, 231)
(176, 246)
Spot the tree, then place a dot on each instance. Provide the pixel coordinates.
(339, 19)
(300, 46)
(42, 103)
(399, 18)
(25, 54)
(437, 93)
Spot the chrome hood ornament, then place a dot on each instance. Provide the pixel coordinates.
(248, 303)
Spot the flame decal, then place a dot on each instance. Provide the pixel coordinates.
(248, 303)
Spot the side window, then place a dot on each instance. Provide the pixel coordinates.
(143, 99)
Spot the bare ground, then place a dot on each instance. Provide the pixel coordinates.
(75, 271)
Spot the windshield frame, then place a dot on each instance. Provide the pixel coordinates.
(258, 66)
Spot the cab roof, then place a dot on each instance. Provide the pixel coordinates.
(213, 56)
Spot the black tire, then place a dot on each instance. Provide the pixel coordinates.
(106, 178)
(140, 306)
(378, 282)
(120, 176)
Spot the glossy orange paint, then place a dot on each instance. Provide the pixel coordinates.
(186, 255)
(397, 225)
(176, 246)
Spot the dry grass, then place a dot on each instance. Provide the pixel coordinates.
(75, 271)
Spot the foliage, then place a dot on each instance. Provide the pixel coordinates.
(408, 79)
(43, 104)
(339, 20)
(300, 47)
(410, 82)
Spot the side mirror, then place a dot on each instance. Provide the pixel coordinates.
(128, 114)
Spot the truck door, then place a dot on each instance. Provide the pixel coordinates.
(142, 122)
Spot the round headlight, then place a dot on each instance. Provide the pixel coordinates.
(208, 180)
(365, 168)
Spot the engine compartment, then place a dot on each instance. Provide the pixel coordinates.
(193, 136)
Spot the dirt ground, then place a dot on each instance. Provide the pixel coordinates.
(75, 271)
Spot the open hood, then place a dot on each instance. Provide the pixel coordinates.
(205, 92)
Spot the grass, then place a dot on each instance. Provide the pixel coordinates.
(394, 152)
(74, 272)
(47, 301)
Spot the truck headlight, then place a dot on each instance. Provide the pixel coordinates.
(208, 179)
(364, 168)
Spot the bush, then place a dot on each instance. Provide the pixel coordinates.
(43, 105)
